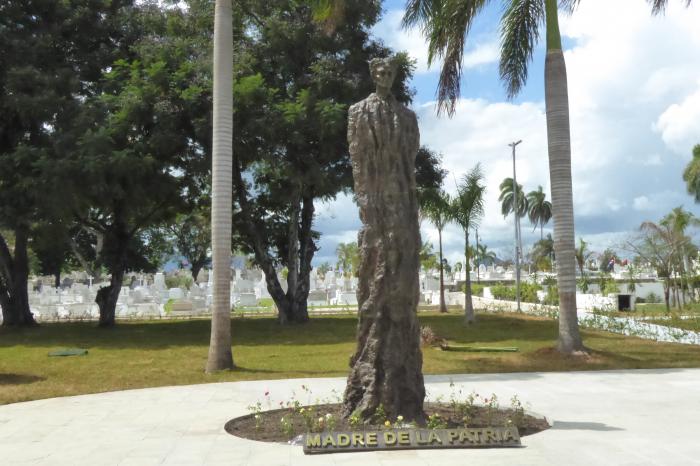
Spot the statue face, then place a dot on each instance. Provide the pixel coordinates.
(383, 75)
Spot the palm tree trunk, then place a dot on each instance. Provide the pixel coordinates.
(443, 307)
(559, 148)
(220, 356)
(468, 305)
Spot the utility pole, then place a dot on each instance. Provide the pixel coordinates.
(517, 225)
(478, 261)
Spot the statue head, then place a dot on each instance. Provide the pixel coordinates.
(383, 71)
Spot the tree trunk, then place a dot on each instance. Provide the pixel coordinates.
(288, 313)
(15, 273)
(196, 267)
(220, 355)
(107, 296)
(291, 306)
(443, 307)
(5, 304)
(57, 279)
(468, 305)
(559, 148)
(666, 297)
(307, 248)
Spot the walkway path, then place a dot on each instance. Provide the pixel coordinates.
(649, 417)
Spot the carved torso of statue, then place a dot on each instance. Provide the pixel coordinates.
(386, 368)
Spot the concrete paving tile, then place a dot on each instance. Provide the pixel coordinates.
(599, 423)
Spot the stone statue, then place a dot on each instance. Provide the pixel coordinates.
(387, 366)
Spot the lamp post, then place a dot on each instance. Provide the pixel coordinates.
(517, 233)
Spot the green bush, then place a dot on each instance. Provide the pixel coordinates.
(179, 281)
(552, 296)
(477, 289)
(652, 298)
(168, 307)
(528, 292)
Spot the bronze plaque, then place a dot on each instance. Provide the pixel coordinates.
(410, 439)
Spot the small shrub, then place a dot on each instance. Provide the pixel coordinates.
(428, 336)
(436, 422)
(517, 415)
(477, 289)
(552, 296)
(287, 425)
(652, 298)
(491, 405)
(528, 292)
(179, 281)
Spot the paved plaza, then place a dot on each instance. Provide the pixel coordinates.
(644, 417)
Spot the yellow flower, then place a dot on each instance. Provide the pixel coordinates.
(399, 418)
(387, 423)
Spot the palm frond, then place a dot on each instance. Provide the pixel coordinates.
(519, 35)
(659, 6)
(568, 6)
(445, 24)
(419, 13)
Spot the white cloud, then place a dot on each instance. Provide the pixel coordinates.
(641, 203)
(635, 114)
(679, 125)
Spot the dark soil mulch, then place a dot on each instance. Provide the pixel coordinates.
(269, 428)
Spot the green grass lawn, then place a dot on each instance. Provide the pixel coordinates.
(686, 324)
(660, 309)
(158, 353)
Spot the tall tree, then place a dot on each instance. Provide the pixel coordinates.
(467, 210)
(658, 245)
(539, 209)
(348, 256)
(691, 174)
(220, 354)
(138, 141)
(445, 24)
(293, 84)
(191, 238)
(485, 255)
(53, 54)
(435, 205)
(514, 202)
(583, 255)
(509, 201)
(679, 220)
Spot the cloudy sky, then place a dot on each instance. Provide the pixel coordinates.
(634, 91)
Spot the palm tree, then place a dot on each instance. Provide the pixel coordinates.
(220, 355)
(543, 250)
(445, 24)
(583, 255)
(539, 209)
(691, 174)
(506, 198)
(678, 222)
(484, 254)
(435, 205)
(509, 202)
(348, 257)
(467, 210)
